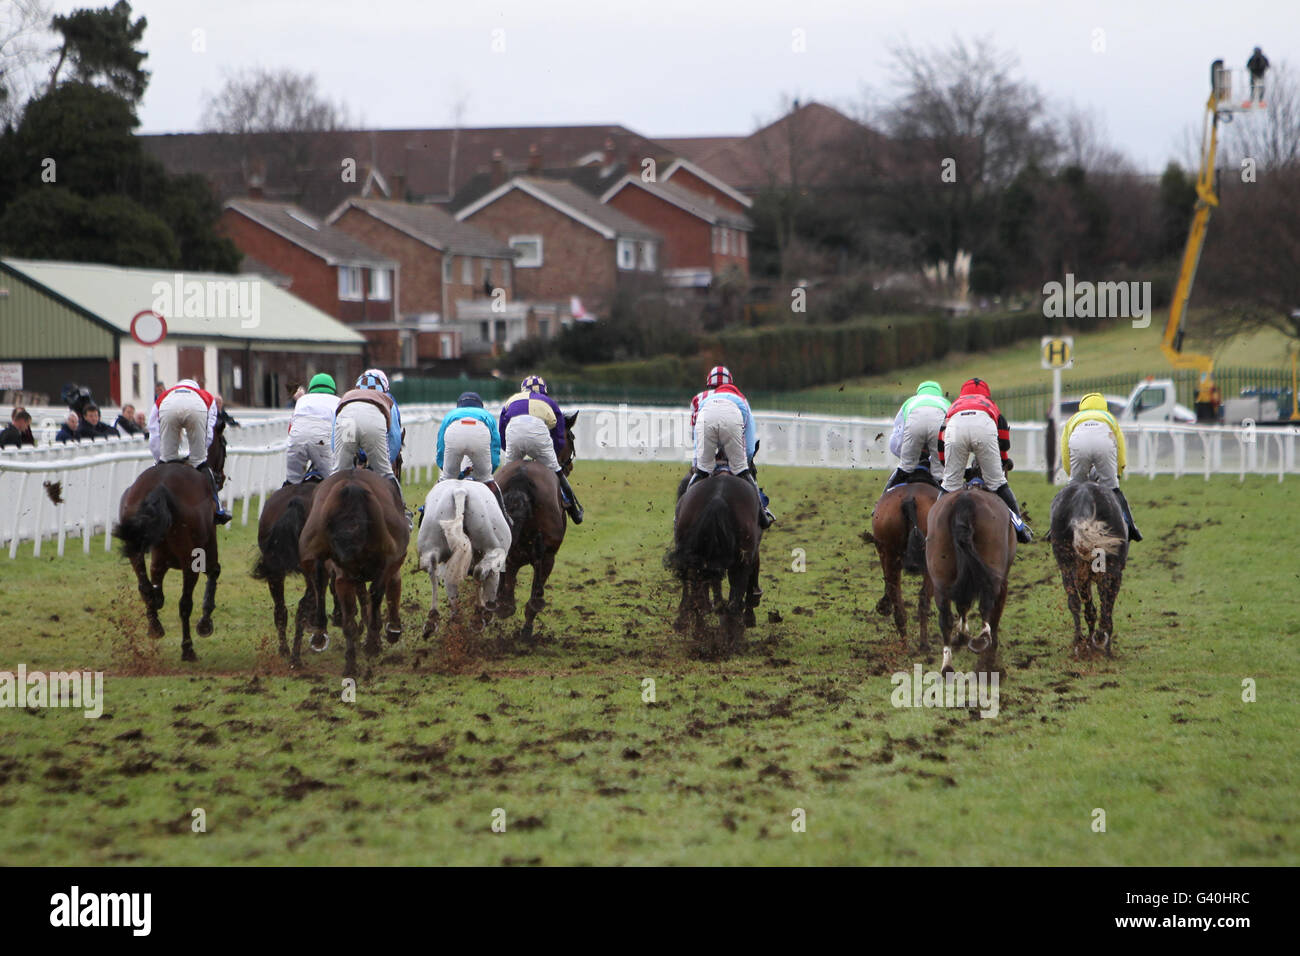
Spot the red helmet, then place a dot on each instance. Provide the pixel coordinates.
(976, 386)
(718, 375)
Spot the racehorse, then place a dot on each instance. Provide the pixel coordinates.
(898, 527)
(532, 496)
(716, 533)
(357, 530)
(278, 531)
(168, 514)
(1090, 542)
(970, 544)
(463, 531)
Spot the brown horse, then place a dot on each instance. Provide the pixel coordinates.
(898, 527)
(532, 497)
(716, 534)
(357, 530)
(1090, 543)
(168, 514)
(278, 531)
(969, 547)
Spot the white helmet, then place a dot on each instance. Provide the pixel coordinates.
(373, 378)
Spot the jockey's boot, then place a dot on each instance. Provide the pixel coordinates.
(765, 517)
(570, 499)
(897, 478)
(222, 515)
(1023, 534)
(496, 490)
(697, 475)
(1133, 533)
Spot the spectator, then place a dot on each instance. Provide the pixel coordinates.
(158, 389)
(91, 427)
(19, 431)
(142, 424)
(69, 430)
(125, 423)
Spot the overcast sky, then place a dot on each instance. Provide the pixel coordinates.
(697, 67)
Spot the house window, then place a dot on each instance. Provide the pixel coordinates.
(505, 275)
(350, 283)
(528, 251)
(647, 256)
(717, 242)
(726, 242)
(483, 331)
(446, 344)
(467, 270)
(544, 328)
(446, 268)
(626, 254)
(381, 290)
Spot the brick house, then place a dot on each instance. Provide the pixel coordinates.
(701, 239)
(335, 272)
(684, 174)
(444, 264)
(567, 242)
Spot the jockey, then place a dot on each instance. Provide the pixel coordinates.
(311, 431)
(1092, 440)
(916, 428)
(532, 424)
(721, 420)
(475, 436)
(974, 425)
(185, 408)
(367, 420)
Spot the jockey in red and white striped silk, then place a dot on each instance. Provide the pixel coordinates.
(975, 426)
(185, 407)
(721, 421)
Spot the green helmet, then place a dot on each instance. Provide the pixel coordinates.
(930, 388)
(322, 382)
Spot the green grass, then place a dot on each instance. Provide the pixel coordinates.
(1122, 350)
(586, 772)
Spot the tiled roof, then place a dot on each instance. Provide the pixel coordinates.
(572, 199)
(697, 205)
(303, 229)
(430, 225)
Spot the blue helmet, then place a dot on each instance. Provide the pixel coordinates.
(373, 378)
(533, 383)
(469, 400)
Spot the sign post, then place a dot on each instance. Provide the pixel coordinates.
(1058, 354)
(148, 328)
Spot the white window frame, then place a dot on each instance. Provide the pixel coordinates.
(647, 256)
(525, 262)
(625, 254)
(351, 288)
(381, 286)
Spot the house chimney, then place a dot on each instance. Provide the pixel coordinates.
(534, 159)
(397, 186)
(609, 150)
(498, 167)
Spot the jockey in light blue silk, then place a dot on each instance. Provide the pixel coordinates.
(470, 431)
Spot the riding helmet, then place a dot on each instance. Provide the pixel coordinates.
(976, 386)
(373, 378)
(719, 375)
(469, 400)
(930, 388)
(533, 383)
(322, 382)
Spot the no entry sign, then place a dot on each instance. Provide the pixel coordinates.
(148, 327)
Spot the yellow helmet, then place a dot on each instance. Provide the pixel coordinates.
(1093, 402)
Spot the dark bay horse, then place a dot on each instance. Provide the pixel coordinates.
(969, 547)
(357, 531)
(168, 515)
(278, 530)
(1090, 543)
(898, 528)
(716, 534)
(532, 496)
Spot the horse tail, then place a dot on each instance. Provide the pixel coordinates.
(1092, 535)
(280, 555)
(351, 523)
(973, 576)
(708, 546)
(146, 527)
(462, 551)
(914, 555)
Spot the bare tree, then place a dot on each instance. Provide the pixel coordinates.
(1271, 137)
(261, 100)
(24, 26)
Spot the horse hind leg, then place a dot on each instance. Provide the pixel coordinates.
(1089, 609)
(431, 622)
(371, 597)
(1070, 581)
(393, 594)
(1108, 591)
(210, 594)
(306, 607)
(151, 594)
(946, 628)
(186, 604)
(275, 584)
(923, 611)
(316, 574)
(537, 600)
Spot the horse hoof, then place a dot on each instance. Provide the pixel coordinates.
(372, 648)
(979, 645)
(750, 619)
(204, 627)
(283, 650)
(393, 634)
(319, 642)
(187, 654)
(884, 606)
